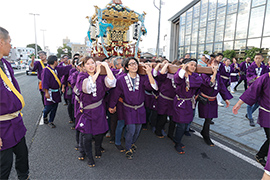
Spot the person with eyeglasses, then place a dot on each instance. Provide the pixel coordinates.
(131, 86)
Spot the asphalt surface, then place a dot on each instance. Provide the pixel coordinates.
(52, 154)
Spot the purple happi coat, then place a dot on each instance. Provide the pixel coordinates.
(253, 72)
(92, 121)
(243, 70)
(69, 80)
(124, 88)
(225, 72)
(210, 110)
(184, 100)
(234, 72)
(11, 131)
(38, 67)
(260, 91)
(76, 93)
(166, 89)
(50, 83)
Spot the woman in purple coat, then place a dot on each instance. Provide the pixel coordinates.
(259, 92)
(211, 86)
(92, 87)
(131, 86)
(187, 82)
(235, 69)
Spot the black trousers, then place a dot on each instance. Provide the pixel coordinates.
(70, 110)
(87, 144)
(114, 119)
(239, 82)
(161, 121)
(265, 147)
(42, 97)
(206, 127)
(21, 161)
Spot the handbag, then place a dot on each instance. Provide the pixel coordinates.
(202, 99)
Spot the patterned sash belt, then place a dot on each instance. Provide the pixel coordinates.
(208, 97)
(224, 77)
(92, 106)
(165, 97)
(10, 116)
(134, 107)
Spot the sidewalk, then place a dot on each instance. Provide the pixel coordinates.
(236, 127)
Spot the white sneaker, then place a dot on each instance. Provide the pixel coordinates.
(221, 105)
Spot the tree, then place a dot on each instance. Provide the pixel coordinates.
(33, 46)
(64, 50)
(229, 54)
(205, 52)
(252, 52)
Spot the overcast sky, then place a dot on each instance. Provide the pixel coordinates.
(63, 19)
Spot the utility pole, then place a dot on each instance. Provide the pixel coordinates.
(35, 31)
(159, 9)
(43, 38)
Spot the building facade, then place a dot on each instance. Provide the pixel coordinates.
(219, 25)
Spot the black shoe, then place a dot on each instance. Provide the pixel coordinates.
(186, 133)
(45, 120)
(134, 148)
(102, 150)
(98, 153)
(246, 116)
(71, 122)
(191, 130)
(91, 162)
(120, 148)
(77, 147)
(72, 127)
(260, 160)
(51, 125)
(160, 136)
(112, 140)
(129, 154)
(212, 122)
(207, 140)
(251, 122)
(81, 157)
(178, 148)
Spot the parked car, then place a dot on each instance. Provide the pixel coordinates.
(28, 71)
(15, 65)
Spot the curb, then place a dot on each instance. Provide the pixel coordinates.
(229, 137)
(19, 73)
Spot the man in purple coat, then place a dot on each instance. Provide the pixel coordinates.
(243, 71)
(12, 134)
(254, 71)
(51, 84)
(259, 92)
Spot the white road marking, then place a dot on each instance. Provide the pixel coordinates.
(233, 152)
(41, 122)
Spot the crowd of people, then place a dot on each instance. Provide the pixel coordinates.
(113, 96)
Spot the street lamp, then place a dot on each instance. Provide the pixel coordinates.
(159, 9)
(43, 38)
(35, 30)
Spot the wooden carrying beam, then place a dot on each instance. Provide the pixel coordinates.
(172, 69)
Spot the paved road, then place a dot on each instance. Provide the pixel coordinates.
(52, 154)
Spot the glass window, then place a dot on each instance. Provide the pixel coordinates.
(204, 10)
(258, 2)
(193, 51)
(189, 21)
(201, 49)
(210, 31)
(209, 48)
(254, 42)
(242, 19)
(230, 27)
(196, 10)
(180, 52)
(187, 49)
(182, 35)
(228, 45)
(267, 20)
(266, 42)
(195, 31)
(183, 19)
(222, 3)
(212, 9)
(256, 22)
(232, 6)
(241, 44)
(187, 40)
(217, 47)
(220, 24)
(202, 36)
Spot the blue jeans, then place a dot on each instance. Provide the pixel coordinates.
(180, 130)
(50, 109)
(133, 131)
(251, 109)
(118, 131)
